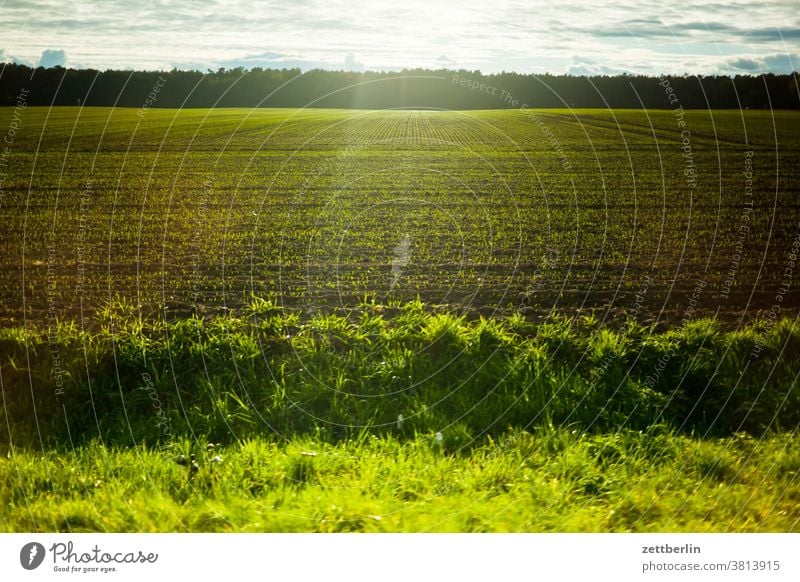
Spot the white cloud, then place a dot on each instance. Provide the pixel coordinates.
(587, 66)
(776, 63)
(52, 58)
(351, 64)
(521, 35)
(5, 57)
(268, 60)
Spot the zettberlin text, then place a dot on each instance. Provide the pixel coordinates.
(667, 549)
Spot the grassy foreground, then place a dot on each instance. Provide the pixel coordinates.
(398, 418)
(561, 481)
(337, 376)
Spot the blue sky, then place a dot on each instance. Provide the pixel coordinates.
(526, 36)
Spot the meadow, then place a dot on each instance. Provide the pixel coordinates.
(549, 210)
(358, 320)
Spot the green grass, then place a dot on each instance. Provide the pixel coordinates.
(545, 427)
(557, 481)
(599, 345)
(341, 374)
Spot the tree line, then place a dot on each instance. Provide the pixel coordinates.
(412, 88)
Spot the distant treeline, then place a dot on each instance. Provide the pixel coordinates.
(416, 88)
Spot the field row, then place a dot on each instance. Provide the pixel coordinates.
(218, 130)
(585, 214)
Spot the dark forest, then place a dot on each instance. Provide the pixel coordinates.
(415, 88)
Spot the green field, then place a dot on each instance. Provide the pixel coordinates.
(596, 310)
(198, 209)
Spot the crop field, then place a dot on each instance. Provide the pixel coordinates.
(399, 320)
(640, 213)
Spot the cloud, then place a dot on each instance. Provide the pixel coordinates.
(773, 34)
(645, 36)
(583, 66)
(786, 63)
(745, 64)
(271, 60)
(276, 60)
(776, 63)
(52, 58)
(6, 57)
(351, 64)
(716, 31)
(629, 29)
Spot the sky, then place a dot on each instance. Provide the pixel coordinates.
(583, 37)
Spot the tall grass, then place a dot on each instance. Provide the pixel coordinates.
(265, 371)
(539, 480)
